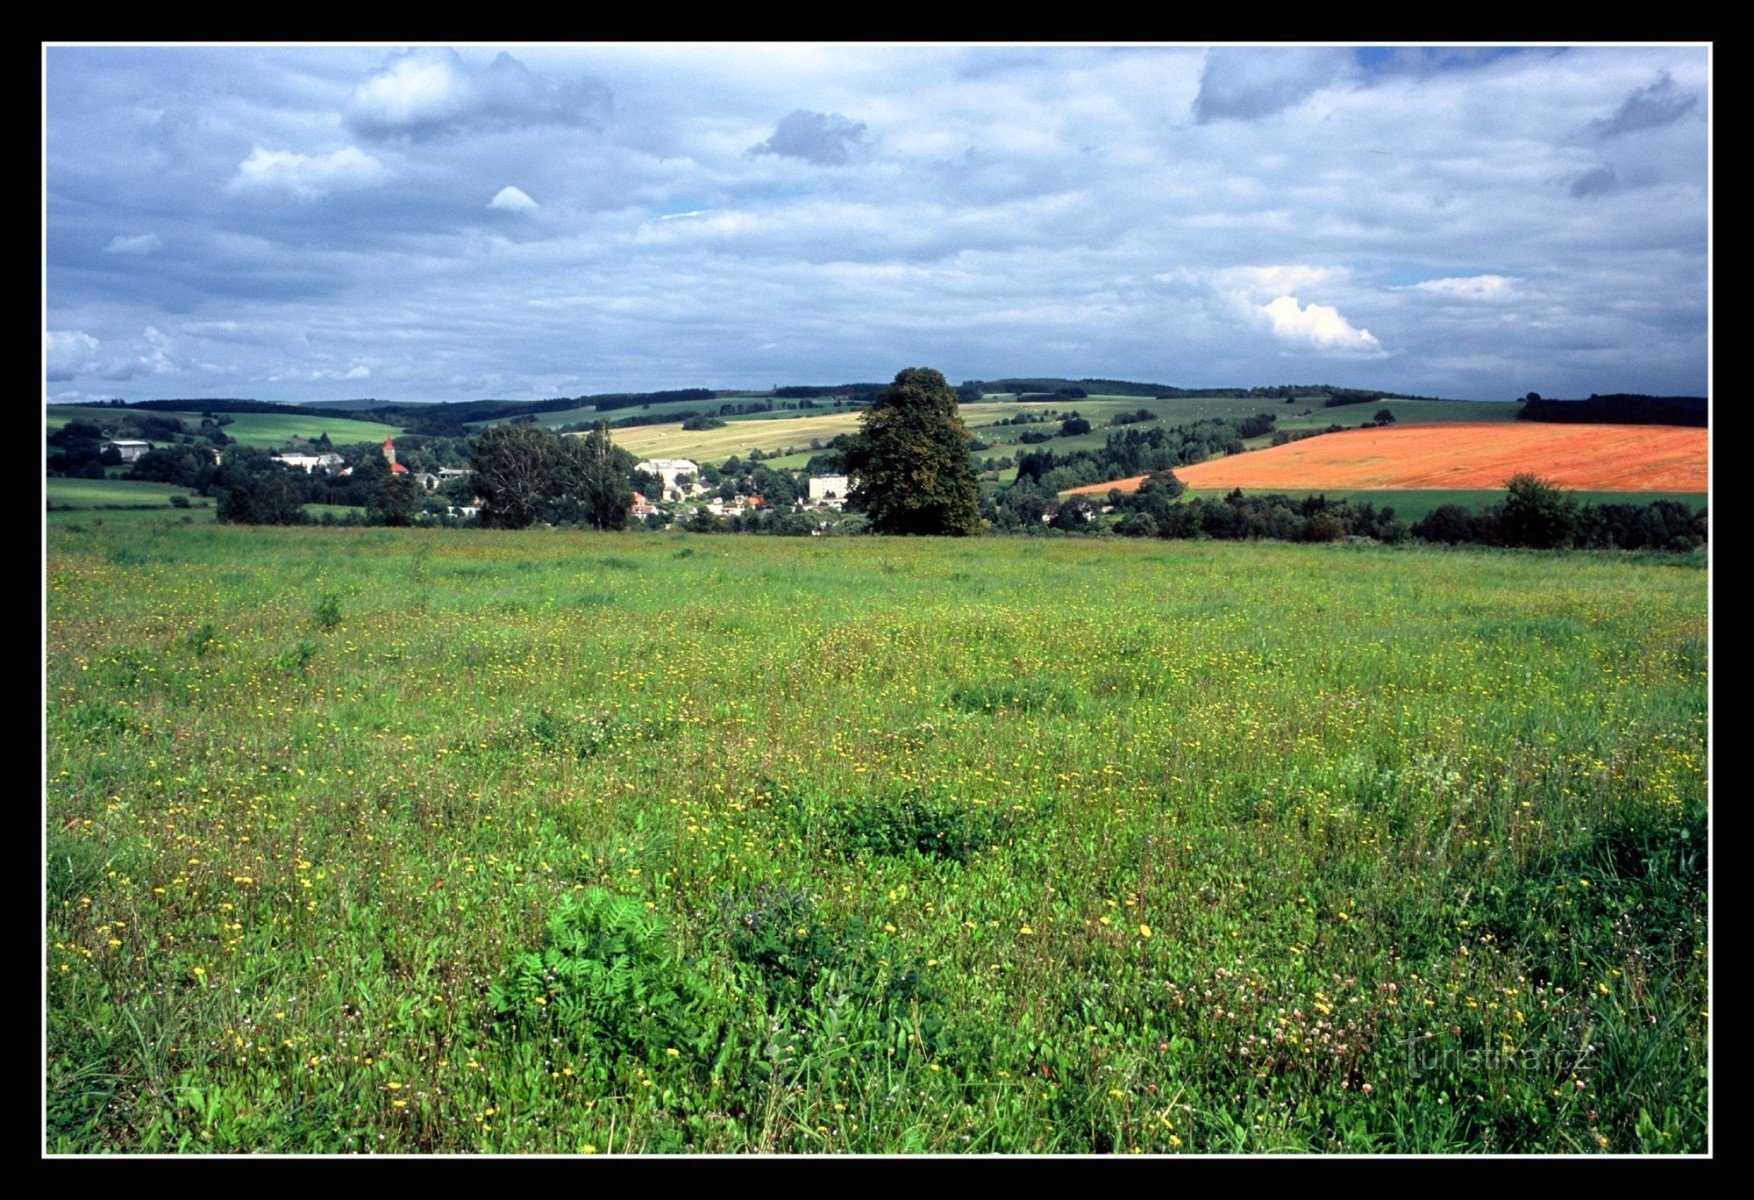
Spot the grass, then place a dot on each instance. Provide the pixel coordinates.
(1417, 503)
(426, 840)
(116, 493)
(268, 430)
(739, 436)
(1407, 412)
(273, 430)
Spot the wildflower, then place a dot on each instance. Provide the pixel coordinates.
(1144, 931)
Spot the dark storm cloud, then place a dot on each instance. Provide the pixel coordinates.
(1651, 107)
(827, 139)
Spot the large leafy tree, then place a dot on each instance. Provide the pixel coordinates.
(514, 468)
(527, 474)
(914, 473)
(592, 480)
(1536, 513)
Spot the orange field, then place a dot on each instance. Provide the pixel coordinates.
(1608, 458)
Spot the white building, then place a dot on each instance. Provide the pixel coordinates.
(309, 462)
(669, 470)
(129, 450)
(829, 489)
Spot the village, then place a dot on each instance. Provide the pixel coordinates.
(667, 491)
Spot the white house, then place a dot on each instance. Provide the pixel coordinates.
(129, 450)
(829, 489)
(668, 470)
(309, 462)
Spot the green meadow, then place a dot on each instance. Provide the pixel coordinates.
(372, 840)
(266, 429)
(116, 493)
(1415, 504)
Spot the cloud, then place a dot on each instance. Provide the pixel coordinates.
(1243, 84)
(1657, 104)
(69, 353)
(512, 200)
(1274, 280)
(308, 177)
(1470, 287)
(1596, 181)
(827, 139)
(1318, 325)
(138, 246)
(431, 93)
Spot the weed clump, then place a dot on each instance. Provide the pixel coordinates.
(605, 977)
(918, 822)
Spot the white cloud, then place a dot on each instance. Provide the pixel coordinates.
(1318, 325)
(416, 90)
(1275, 280)
(309, 177)
(512, 199)
(428, 93)
(69, 352)
(1245, 83)
(137, 246)
(1471, 287)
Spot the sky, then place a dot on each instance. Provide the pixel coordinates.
(428, 223)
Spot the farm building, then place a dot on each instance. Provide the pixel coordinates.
(130, 451)
(309, 462)
(668, 471)
(829, 489)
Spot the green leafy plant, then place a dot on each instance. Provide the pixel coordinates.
(920, 822)
(606, 977)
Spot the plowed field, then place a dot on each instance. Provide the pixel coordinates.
(1619, 458)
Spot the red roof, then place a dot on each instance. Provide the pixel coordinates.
(398, 469)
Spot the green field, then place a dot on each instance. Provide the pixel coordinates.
(269, 430)
(1415, 504)
(1407, 412)
(863, 844)
(116, 493)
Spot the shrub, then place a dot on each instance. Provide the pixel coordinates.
(604, 977)
(919, 823)
(1536, 513)
(776, 930)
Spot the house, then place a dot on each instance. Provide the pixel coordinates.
(668, 471)
(642, 508)
(130, 451)
(427, 480)
(396, 468)
(830, 490)
(310, 462)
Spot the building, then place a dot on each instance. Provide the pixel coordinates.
(642, 508)
(829, 489)
(668, 471)
(396, 468)
(130, 451)
(310, 462)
